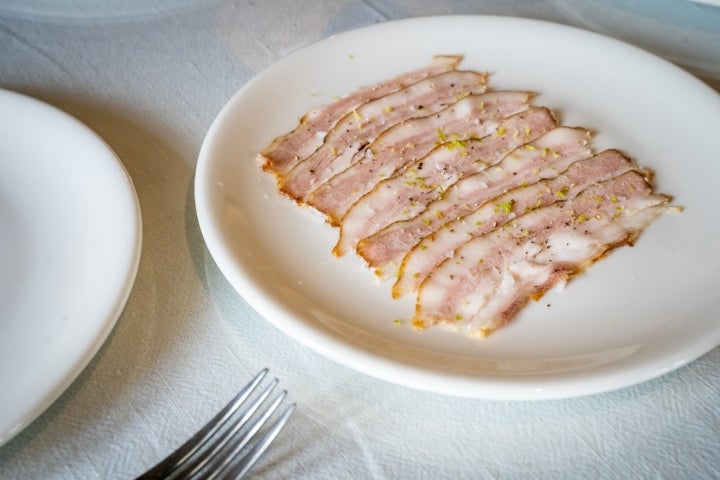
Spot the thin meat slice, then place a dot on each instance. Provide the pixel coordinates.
(358, 128)
(472, 117)
(436, 247)
(491, 277)
(406, 195)
(285, 151)
(542, 158)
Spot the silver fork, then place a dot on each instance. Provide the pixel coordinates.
(214, 452)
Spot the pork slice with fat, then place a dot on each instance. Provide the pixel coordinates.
(471, 117)
(359, 128)
(544, 157)
(491, 277)
(407, 194)
(441, 244)
(285, 151)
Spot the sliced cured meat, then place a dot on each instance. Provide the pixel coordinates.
(358, 128)
(475, 201)
(285, 151)
(406, 195)
(544, 157)
(492, 276)
(472, 117)
(441, 244)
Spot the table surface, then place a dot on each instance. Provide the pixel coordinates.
(149, 77)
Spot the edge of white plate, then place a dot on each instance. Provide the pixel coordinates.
(41, 405)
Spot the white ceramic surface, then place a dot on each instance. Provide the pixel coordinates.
(640, 313)
(69, 248)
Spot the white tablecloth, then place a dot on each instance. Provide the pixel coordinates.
(150, 77)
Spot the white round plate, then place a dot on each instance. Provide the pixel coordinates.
(69, 249)
(638, 314)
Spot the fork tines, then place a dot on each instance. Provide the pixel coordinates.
(222, 447)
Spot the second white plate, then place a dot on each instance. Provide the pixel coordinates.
(638, 314)
(70, 236)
